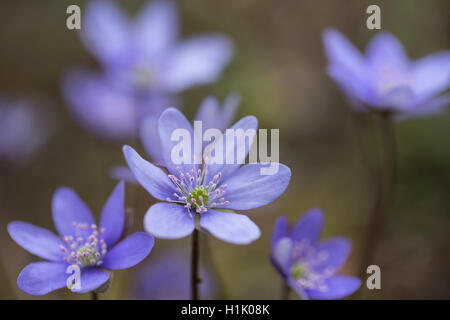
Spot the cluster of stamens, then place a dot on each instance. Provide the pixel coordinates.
(84, 249)
(307, 269)
(196, 193)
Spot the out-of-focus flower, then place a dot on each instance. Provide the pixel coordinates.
(144, 66)
(167, 278)
(191, 189)
(24, 129)
(385, 79)
(308, 265)
(209, 113)
(81, 243)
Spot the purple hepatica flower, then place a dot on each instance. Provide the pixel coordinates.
(167, 278)
(81, 242)
(204, 190)
(209, 113)
(144, 66)
(24, 129)
(385, 79)
(309, 265)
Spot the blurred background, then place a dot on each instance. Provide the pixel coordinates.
(279, 69)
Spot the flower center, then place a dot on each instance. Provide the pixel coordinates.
(87, 248)
(196, 193)
(309, 269)
(298, 271)
(199, 196)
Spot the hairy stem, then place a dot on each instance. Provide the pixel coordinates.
(384, 177)
(195, 255)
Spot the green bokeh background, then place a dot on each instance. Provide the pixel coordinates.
(280, 71)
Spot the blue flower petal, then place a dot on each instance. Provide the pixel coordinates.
(196, 61)
(309, 226)
(168, 221)
(91, 279)
(104, 31)
(208, 114)
(152, 178)
(67, 208)
(385, 50)
(230, 227)
(156, 28)
(150, 139)
(40, 278)
(338, 250)
(171, 120)
(248, 188)
(129, 252)
(99, 107)
(36, 240)
(281, 255)
(113, 215)
(280, 230)
(238, 153)
(431, 74)
(341, 52)
(337, 287)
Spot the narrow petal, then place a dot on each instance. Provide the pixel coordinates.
(309, 226)
(105, 31)
(434, 107)
(341, 52)
(230, 227)
(337, 287)
(152, 178)
(385, 50)
(99, 107)
(91, 279)
(196, 61)
(168, 221)
(232, 148)
(208, 113)
(40, 278)
(67, 208)
(156, 27)
(151, 141)
(129, 252)
(280, 230)
(112, 218)
(338, 250)
(36, 240)
(230, 106)
(281, 255)
(248, 188)
(170, 122)
(431, 74)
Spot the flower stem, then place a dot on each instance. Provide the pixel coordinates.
(384, 177)
(195, 255)
(94, 295)
(285, 290)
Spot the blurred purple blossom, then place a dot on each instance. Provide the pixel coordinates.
(24, 129)
(166, 277)
(144, 66)
(385, 79)
(210, 113)
(80, 242)
(308, 265)
(191, 189)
